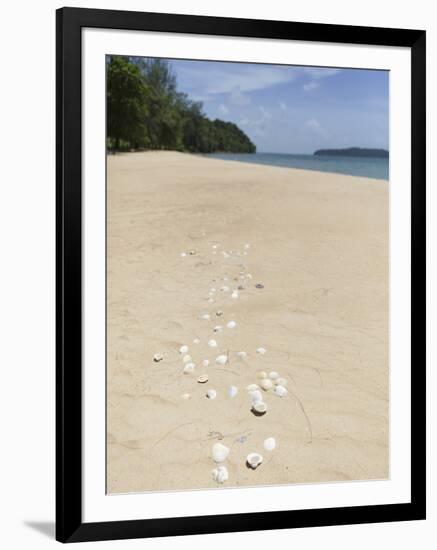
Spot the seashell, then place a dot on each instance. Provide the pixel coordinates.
(183, 349)
(221, 359)
(220, 474)
(225, 254)
(218, 328)
(186, 358)
(215, 246)
(261, 351)
(213, 290)
(246, 246)
(189, 368)
(273, 375)
(240, 287)
(183, 254)
(219, 452)
(254, 460)
(205, 363)
(186, 396)
(212, 343)
(192, 252)
(261, 374)
(281, 382)
(234, 294)
(211, 394)
(210, 300)
(219, 313)
(205, 317)
(224, 288)
(269, 444)
(232, 391)
(259, 408)
(280, 391)
(266, 384)
(249, 276)
(252, 387)
(231, 324)
(202, 378)
(242, 354)
(196, 341)
(259, 285)
(255, 396)
(158, 357)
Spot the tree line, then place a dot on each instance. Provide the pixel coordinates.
(146, 111)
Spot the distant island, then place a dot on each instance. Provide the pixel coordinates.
(353, 152)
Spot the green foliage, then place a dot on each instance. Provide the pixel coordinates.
(145, 110)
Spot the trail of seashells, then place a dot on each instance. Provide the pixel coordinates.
(267, 383)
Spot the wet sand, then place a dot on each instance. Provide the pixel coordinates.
(318, 243)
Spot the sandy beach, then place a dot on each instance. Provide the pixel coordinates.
(316, 244)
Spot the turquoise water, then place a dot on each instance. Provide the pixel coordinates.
(353, 166)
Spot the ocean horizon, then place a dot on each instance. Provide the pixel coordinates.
(368, 167)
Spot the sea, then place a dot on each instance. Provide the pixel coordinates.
(367, 167)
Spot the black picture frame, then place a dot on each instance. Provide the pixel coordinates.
(69, 525)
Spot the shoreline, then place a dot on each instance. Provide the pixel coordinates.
(319, 247)
(210, 157)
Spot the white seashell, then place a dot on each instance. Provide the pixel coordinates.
(231, 324)
(255, 396)
(273, 375)
(213, 290)
(211, 394)
(247, 245)
(281, 382)
(266, 384)
(252, 387)
(259, 407)
(234, 294)
(186, 358)
(183, 254)
(261, 351)
(219, 452)
(205, 363)
(280, 391)
(189, 368)
(186, 396)
(220, 474)
(242, 354)
(183, 349)
(218, 328)
(224, 288)
(206, 316)
(269, 444)
(261, 374)
(232, 391)
(158, 357)
(254, 460)
(214, 246)
(202, 378)
(212, 343)
(221, 359)
(249, 276)
(225, 254)
(196, 341)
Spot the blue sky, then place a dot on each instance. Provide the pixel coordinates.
(291, 109)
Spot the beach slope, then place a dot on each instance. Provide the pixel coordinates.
(317, 247)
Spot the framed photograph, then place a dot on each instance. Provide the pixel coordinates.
(240, 275)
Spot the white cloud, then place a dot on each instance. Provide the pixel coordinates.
(320, 72)
(310, 86)
(315, 126)
(223, 110)
(236, 97)
(282, 106)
